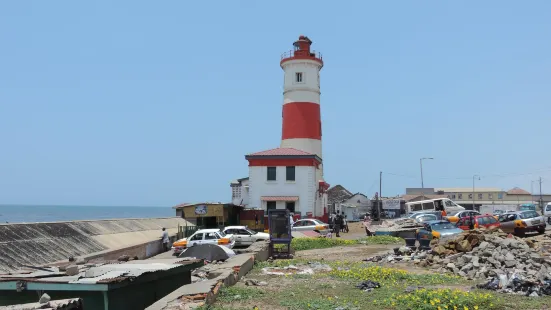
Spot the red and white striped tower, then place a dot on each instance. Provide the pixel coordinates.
(301, 98)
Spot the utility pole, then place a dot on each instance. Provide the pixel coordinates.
(541, 198)
(380, 192)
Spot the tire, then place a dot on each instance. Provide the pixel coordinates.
(541, 231)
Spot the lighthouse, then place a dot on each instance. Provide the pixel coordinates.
(291, 176)
(301, 126)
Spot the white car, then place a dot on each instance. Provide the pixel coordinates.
(204, 236)
(547, 212)
(311, 225)
(244, 236)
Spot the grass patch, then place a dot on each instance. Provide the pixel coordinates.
(440, 299)
(301, 244)
(234, 293)
(336, 290)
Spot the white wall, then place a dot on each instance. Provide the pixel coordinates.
(304, 187)
(242, 199)
(306, 91)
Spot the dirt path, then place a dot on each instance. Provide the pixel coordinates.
(345, 253)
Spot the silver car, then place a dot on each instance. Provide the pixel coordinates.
(520, 222)
(311, 225)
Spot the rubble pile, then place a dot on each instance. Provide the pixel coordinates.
(509, 263)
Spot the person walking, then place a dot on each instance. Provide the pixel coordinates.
(338, 225)
(344, 224)
(165, 240)
(367, 225)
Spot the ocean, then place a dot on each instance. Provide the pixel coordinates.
(32, 214)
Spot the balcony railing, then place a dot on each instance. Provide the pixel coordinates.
(299, 53)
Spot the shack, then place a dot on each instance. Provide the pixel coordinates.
(209, 214)
(115, 286)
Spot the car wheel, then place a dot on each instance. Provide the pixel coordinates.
(519, 233)
(541, 231)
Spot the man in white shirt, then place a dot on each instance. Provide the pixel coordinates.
(165, 239)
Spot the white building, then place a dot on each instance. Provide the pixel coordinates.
(291, 176)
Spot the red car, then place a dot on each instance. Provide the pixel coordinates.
(486, 221)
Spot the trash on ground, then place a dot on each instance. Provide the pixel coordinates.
(368, 286)
(308, 269)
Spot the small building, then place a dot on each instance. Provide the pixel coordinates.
(240, 192)
(126, 286)
(209, 214)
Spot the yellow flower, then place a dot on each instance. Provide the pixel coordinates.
(439, 308)
(465, 308)
(475, 307)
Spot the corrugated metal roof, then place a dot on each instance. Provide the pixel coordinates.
(100, 274)
(62, 304)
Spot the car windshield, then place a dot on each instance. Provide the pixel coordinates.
(221, 234)
(548, 208)
(318, 222)
(453, 213)
(528, 214)
(499, 211)
(526, 208)
(252, 232)
(442, 226)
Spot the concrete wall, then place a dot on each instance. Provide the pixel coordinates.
(43, 243)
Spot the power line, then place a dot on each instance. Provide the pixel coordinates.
(503, 175)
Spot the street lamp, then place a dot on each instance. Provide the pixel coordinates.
(474, 177)
(421, 162)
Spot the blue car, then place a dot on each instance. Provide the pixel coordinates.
(437, 229)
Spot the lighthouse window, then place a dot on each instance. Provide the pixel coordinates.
(271, 175)
(298, 77)
(290, 171)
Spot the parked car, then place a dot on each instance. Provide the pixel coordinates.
(453, 217)
(486, 221)
(520, 222)
(204, 236)
(547, 212)
(437, 229)
(245, 236)
(311, 225)
(424, 217)
(499, 212)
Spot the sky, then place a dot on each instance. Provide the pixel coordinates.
(155, 104)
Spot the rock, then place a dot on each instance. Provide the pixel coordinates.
(71, 270)
(475, 261)
(536, 257)
(80, 261)
(510, 263)
(471, 274)
(71, 259)
(450, 266)
(534, 294)
(510, 256)
(464, 246)
(44, 299)
(483, 245)
(446, 261)
(467, 267)
(462, 274)
(460, 262)
(123, 258)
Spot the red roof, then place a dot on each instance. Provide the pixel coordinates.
(281, 151)
(279, 198)
(517, 191)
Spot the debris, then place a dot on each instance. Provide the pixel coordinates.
(44, 299)
(71, 270)
(251, 282)
(368, 286)
(124, 258)
(301, 269)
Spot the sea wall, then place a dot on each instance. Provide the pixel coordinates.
(34, 244)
